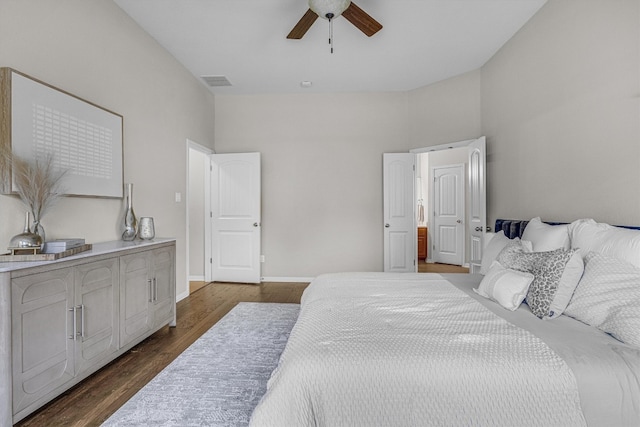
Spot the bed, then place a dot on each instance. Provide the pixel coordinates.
(381, 349)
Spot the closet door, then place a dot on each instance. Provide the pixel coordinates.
(448, 214)
(235, 217)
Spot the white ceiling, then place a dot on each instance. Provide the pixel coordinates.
(422, 42)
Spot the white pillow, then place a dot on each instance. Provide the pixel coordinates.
(545, 237)
(491, 251)
(506, 287)
(590, 236)
(608, 297)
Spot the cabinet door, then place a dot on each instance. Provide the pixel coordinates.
(422, 243)
(97, 294)
(164, 286)
(42, 329)
(135, 297)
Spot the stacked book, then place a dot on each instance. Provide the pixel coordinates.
(61, 245)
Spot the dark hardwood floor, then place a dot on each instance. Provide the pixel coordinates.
(91, 402)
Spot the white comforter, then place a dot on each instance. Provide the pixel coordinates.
(412, 350)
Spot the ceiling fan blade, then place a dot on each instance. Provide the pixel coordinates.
(303, 25)
(361, 20)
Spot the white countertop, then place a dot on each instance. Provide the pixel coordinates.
(97, 249)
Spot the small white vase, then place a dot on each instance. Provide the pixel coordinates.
(147, 230)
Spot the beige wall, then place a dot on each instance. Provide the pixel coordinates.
(95, 51)
(444, 112)
(322, 165)
(321, 174)
(561, 112)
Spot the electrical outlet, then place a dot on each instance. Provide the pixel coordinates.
(178, 197)
(261, 258)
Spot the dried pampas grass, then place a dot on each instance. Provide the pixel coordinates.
(38, 183)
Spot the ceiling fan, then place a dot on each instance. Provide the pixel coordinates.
(330, 9)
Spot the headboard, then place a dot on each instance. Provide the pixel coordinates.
(515, 227)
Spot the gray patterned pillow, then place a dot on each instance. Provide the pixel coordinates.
(556, 275)
(511, 255)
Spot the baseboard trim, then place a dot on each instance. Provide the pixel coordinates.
(196, 278)
(287, 279)
(182, 295)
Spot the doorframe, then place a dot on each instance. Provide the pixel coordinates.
(440, 147)
(192, 145)
(432, 203)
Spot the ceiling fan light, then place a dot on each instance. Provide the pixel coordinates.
(324, 7)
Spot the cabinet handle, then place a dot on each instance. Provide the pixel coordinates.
(150, 290)
(155, 290)
(74, 323)
(81, 307)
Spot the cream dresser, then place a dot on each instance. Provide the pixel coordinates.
(62, 320)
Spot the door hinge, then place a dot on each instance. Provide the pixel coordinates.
(210, 260)
(210, 214)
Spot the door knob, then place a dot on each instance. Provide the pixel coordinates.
(255, 224)
(478, 228)
(387, 226)
(459, 221)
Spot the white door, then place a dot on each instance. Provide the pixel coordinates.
(448, 214)
(235, 217)
(400, 233)
(477, 202)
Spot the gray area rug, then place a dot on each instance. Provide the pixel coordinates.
(220, 378)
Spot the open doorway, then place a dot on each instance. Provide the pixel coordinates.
(441, 195)
(418, 206)
(472, 154)
(198, 208)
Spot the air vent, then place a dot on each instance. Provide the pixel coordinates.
(216, 81)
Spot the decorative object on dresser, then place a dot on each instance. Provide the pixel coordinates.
(60, 245)
(25, 242)
(130, 222)
(147, 229)
(38, 183)
(44, 256)
(60, 321)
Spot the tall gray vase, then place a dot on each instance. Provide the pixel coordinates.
(130, 222)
